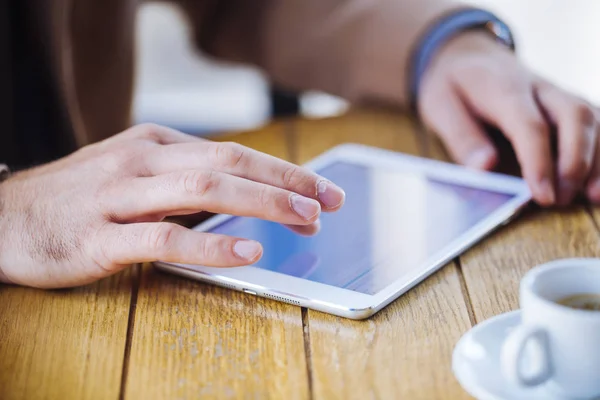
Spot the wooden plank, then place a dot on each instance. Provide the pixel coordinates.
(271, 139)
(193, 340)
(369, 127)
(405, 350)
(594, 212)
(64, 344)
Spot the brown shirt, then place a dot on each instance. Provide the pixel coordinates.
(35, 114)
(356, 49)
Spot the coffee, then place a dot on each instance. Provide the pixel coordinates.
(586, 301)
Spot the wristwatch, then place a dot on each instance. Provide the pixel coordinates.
(4, 172)
(446, 28)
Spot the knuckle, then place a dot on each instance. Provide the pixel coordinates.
(199, 183)
(110, 160)
(148, 131)
(210, 249)
(263, 198)
(102, 251)
(297, 178)
(230, 154)
(292, 176)
(116, 159)
(160, 238)
(584, 114)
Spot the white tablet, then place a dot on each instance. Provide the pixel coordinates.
(404, 218)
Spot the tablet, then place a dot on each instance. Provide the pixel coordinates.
(404, 218)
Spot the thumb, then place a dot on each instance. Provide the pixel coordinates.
(443, 112)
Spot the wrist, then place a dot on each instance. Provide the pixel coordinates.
(464, 30)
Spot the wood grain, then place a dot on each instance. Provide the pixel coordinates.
(369, 127)
(271, 139)
(198, 341)
(594, 212)
(66, 344)
(405, 350)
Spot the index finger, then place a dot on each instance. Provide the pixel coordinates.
(516, 112)
(529, 133)
(244, 162)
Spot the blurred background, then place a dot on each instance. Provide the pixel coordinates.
(178, 87)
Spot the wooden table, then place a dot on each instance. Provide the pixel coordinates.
(147, 335)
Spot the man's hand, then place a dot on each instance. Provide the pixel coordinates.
(100, 209)
(473, 80)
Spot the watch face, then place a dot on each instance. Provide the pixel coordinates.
(501, 32)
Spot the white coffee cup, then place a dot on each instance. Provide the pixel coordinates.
(561, 345)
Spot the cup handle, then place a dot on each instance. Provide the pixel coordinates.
(512, 355)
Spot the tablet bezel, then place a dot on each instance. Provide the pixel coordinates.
(345, 302)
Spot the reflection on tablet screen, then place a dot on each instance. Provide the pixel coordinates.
(391, 222)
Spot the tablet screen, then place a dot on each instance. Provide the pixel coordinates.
(392, 221)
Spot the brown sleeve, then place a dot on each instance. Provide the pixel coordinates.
(356, 49)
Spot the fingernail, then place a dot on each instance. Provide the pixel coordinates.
(481, 158)
(566, 192)
(593, 191)
(247, 249)
(546, 192)
(329, 194)
(305, 207)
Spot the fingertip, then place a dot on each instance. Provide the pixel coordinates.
(317, 225)
(313, 229)
(331, 195)
(248, 250)
(593, 191)
(543, 193)
(306, 230)
(306, 208)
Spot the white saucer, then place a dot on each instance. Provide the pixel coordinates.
(476, 362)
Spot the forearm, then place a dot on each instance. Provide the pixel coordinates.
(3, 176)
(358, 51)
(354, 49)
